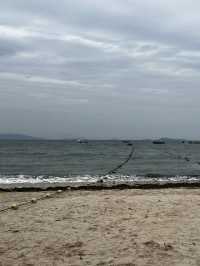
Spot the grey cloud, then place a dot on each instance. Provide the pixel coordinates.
(9, 47)
(95, 68)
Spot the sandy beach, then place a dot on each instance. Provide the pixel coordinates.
(105, 227)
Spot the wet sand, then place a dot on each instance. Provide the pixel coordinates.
(106, 227)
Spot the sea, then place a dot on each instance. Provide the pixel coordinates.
(48, 163)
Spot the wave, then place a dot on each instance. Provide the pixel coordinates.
(12, 182)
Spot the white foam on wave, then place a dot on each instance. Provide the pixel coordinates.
(23, 179)
(42, 181)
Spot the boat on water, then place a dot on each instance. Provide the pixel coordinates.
(158, 142)
(128, 142)
(82, 141)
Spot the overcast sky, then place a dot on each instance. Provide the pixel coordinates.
(100, 69)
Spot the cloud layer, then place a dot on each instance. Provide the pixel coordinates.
(92, 69)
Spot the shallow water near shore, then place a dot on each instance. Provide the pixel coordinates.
(40, 163)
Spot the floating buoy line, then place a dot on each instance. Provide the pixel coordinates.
(32, 201)
(182, 157)
(15, 206)
(114, 170)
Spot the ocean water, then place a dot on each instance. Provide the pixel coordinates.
(38, 162)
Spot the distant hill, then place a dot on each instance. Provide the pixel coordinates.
(16, 137)
(172, 140)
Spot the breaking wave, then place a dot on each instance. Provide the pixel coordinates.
(10, 182)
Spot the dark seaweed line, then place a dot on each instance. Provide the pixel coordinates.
(104, 186)
(96, 187)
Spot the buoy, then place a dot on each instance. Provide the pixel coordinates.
(33, 200)
(14, 206)
(48, 195)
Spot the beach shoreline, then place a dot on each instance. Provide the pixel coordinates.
(101, 183)
(101, 227)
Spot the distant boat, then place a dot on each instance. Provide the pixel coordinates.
(125, 141)
(82, 141)
(128, 142)
(158, 142)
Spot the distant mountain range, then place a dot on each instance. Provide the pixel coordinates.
(171, 139)
(16, 137)
(27, 137)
